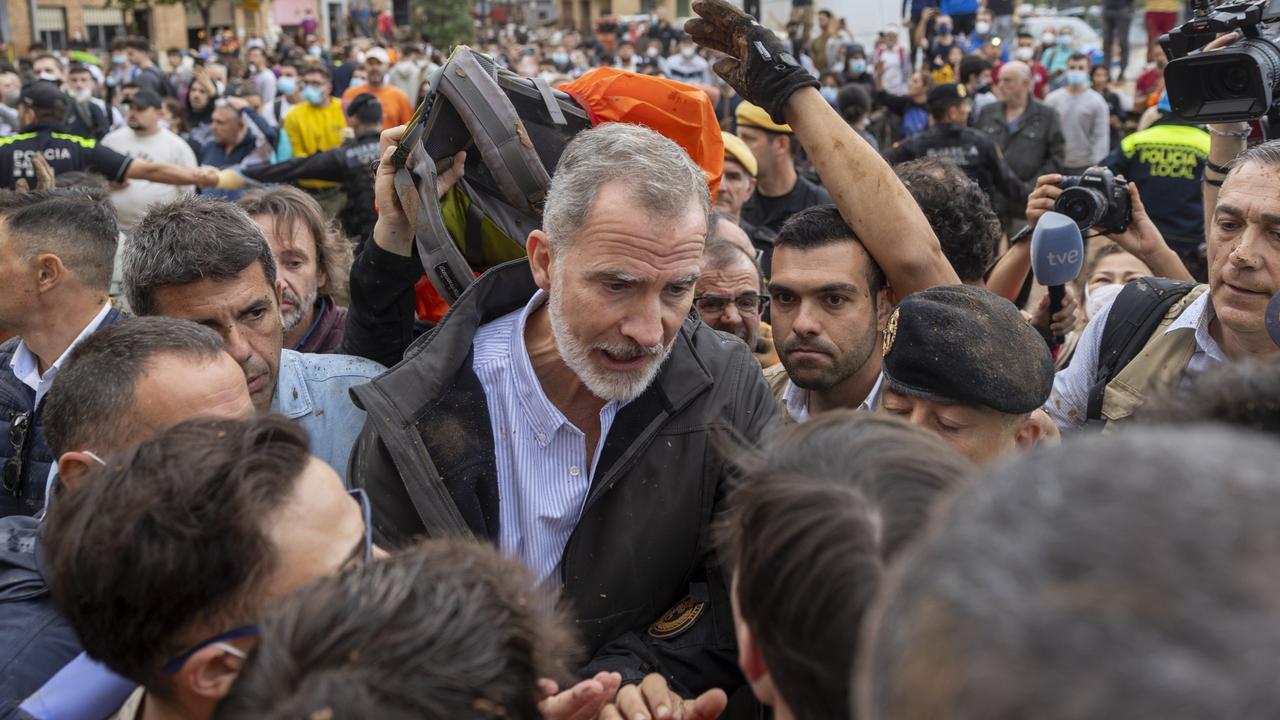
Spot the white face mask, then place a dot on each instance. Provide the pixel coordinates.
(1024, 54)
(82, 94)
(983, 27)
(687, 52)
(652, 52)
(50, 77)
(1096, 300)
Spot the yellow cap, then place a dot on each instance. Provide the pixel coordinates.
(755, 116)
(735, 149)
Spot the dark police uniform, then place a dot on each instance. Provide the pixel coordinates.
(64, 151)
(973, 150)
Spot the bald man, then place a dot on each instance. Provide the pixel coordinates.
(1027, 131)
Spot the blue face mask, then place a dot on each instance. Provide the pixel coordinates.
(857, 67)
(312, 95)
(1064, 40)
(829, 93)
(1079, 78)
(944, 29)
(315, 51)
(119, 59)
(286, 85)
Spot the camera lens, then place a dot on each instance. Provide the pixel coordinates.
(1085, 206)
(1236, 80)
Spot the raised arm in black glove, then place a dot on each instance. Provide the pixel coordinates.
(767, 74)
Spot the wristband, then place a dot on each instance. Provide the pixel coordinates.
(1238, 134)
(1220, 169)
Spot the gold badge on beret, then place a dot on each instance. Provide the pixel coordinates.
(890, 332)
(678, 619)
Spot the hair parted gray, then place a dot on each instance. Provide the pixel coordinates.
(660, 176)
(1266, 154)
(188, 240)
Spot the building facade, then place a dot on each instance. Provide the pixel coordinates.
(62, 24)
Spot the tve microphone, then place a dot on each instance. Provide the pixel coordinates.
(1057, 256)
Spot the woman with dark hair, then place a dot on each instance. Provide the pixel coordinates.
(198, 115)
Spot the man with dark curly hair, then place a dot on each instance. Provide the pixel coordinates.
(959, 213)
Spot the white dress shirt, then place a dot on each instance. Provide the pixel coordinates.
(544, 473)
(26, 367)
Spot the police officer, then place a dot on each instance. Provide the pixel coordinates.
(962, 362)
(42, 109)
(948, 137)
(351, 164)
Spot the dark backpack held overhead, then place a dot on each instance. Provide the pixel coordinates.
(514, 130)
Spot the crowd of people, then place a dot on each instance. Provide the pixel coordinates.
(765, 416)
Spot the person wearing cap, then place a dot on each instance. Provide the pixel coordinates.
(349, 164)
(396, 109)
(42, 109)
(948, 136)
(144, 138)
(737, 185)
(1166, 161)
(780, 191)
(962, 361)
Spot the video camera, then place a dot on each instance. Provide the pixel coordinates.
(1095, 199)
(1230, 84)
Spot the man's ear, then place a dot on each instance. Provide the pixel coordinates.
(209, 673)
(886, 301)
(49, 271)
(1031, 429)
(541, 258)
(72, 467)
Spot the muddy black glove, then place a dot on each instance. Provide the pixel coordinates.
(760, 66)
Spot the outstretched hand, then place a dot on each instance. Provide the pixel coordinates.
(758, 64)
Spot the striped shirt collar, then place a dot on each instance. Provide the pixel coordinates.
(542, 415)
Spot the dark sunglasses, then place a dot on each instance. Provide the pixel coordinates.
(176, 664)
(19, 425)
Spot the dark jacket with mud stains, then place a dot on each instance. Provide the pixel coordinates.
(642, 544)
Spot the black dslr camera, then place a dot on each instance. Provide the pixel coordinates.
(1230, 84)
(1095, 199)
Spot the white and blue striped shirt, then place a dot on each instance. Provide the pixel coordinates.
(543, 471)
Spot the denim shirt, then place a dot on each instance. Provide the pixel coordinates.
(312, 391)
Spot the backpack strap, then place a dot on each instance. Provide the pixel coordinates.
(1134, 316)
(495, 127)
(443, 262)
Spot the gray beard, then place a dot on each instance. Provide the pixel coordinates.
(293, 319)
(604, 384)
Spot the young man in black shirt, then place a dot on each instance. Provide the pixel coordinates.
(780, 191)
